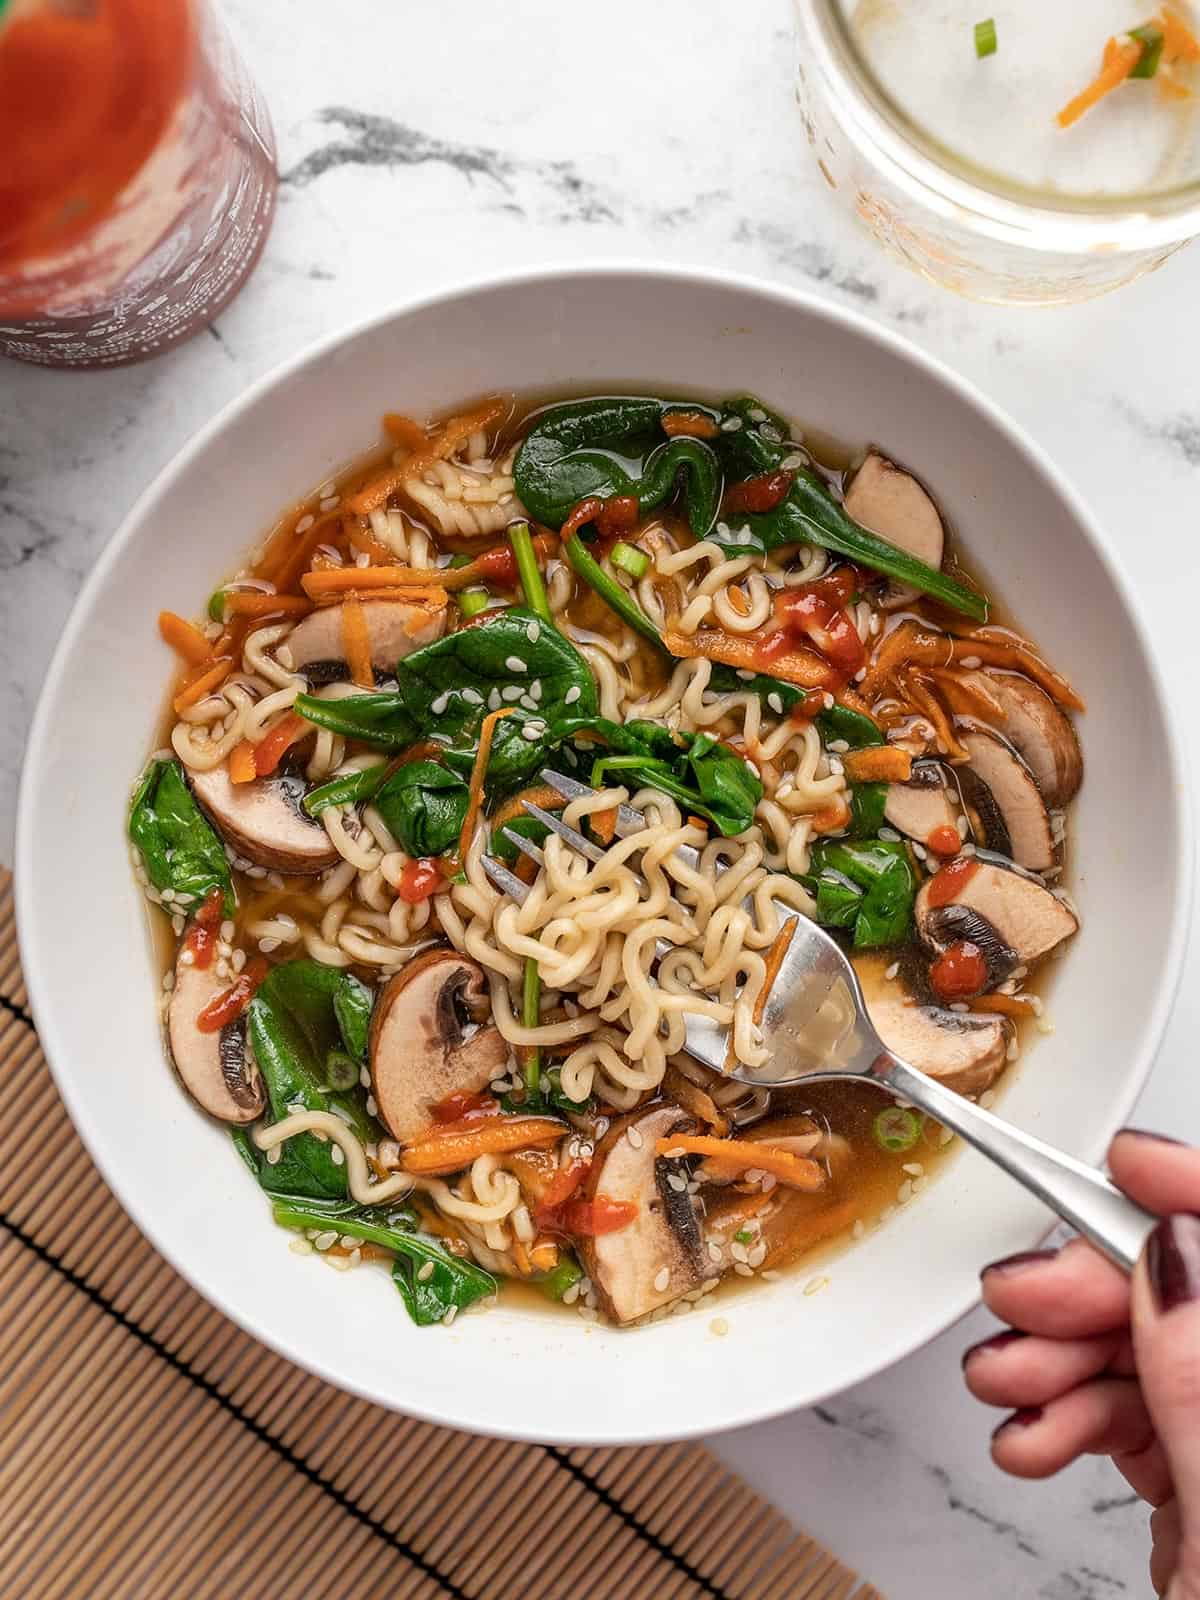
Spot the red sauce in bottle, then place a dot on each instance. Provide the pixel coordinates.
(138, 179)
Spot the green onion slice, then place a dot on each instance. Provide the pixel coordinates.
(630, 559)
(472, 601)
(896, 1130)
(985, 38)
(1151, 40)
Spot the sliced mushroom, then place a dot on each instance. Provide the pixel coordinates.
(963, 1051)
(890, 502)
(217, 1069)
(263, 821)
(1021, 913)
(1015, 821)
(425, 1044)
(659, 1255)
(1038, 731)
(394, 627)
(920, 806)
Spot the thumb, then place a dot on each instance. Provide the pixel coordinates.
(1166, 1341)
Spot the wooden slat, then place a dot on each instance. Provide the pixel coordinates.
(149, 1448)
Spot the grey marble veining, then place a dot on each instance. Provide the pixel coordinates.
(429, 142)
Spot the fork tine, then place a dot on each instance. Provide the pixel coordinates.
(629, 820)
(525, 846)
(507, 882)
(565, 832)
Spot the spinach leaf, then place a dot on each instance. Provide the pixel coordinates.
(380, 720)
(546, 1100)
(867, 802)
(348, 790)
(879, 875)
(446, 688)
(424, 805)
(302, 1015)
(703, 775)
(555, 1283)
(527, 827)
(454, 1282)
(615, 446)
(808, 513)
(836, 723)
(180, 851)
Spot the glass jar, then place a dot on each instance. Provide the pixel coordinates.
(957, 166)
(139, 177)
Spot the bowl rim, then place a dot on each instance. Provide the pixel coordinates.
(37, 971)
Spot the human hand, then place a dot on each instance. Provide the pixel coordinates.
(1098, 1364)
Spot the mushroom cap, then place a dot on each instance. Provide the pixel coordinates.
(965, 1052)
(394, 627)
(1023, 913)
(1038, 731)
(890, 502)
(920, 806)
(1024, 831)
(217, 1069)
(420, 1048)
(626, 1266)
(263, 821)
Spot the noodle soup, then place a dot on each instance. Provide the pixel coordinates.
(447, 1041)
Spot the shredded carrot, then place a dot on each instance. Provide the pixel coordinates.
(453, 1146)
(917, 692)
(1117, 66)
(878, 763)
(1110, 51)
(912, 643)
(737, 600)
(604, 824)
(487, 730)
(199, 686)
(798, 665)
(831, 818)
(365, 542)
(243, 765)
(965, 695)
(334, 579)
(249, 603)
(742, 1155)
(405, 431)
(455, 431)
(549, 799)
(1179, 42)
(689, 425)
(289, 552)
(1004, 1005)
(269, 750)
(356, 643)
(184, 637)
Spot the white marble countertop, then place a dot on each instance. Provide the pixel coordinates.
(425, 142)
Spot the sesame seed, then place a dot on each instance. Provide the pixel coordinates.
(634, 1137)
(330, 502)
(305, 522)
(815, 1285)
(301, 1247)
(571, 695)
(677, 1183)
(856, 1232)
(510, 693)
(893, 971)
(769, 1275)
(532, 731)
(515, 664)
(714, 1251)
(742, 1270)
(661, 1279)
(775, 702)
(738, 1251)
(472, 697)
(451, 1313)
(914, 1168)
(425, 1272)
(325, 1240)
(971, 662)
(337, 1156)
(439, 705)
(274, 1154)
(533, 632)
(770, 433)
(731, 425)
(719, 1326)
(757, 414)
(494, 700)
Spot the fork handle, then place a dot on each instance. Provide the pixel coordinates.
(1079, 1194)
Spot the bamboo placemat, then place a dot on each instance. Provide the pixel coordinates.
(149, 1448)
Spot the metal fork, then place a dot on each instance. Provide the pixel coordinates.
(816, 1026)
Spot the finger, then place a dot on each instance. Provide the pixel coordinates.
(1021, 1370)
(1166, 1341)
(1155, 1171)
(1166, 1533)
(1105, 1417)
(1073, 1293)
(1147, 1473)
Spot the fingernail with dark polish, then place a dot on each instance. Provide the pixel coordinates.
(998, 1341)
(1173, 1261)
(1148, 1133)
(1018, 1263)
(1019, 1419)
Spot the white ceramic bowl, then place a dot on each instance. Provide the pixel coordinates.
(83, 933)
